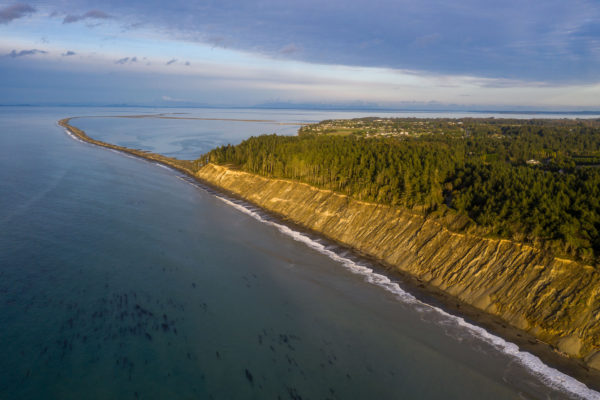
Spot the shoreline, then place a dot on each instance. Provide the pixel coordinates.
(169, 116)
(424, 292)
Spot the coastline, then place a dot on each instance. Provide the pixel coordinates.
(423, 290)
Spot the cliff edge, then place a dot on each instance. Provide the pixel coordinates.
(555, 300)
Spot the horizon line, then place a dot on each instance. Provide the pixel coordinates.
(325, 107)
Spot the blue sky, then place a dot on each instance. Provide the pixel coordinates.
(503, 54)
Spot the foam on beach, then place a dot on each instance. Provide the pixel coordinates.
(68, 132)
(164, 166)
(123, 153)
(550, 376)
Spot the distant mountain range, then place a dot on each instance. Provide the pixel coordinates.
(401, 107)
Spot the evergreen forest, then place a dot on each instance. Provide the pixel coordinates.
(533, 181)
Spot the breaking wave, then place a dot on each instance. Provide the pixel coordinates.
(550, 376)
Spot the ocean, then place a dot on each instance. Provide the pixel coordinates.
(121, 278)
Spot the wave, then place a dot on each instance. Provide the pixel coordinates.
(550, 376)
(165, 167)
(123, 153)
(73, 136)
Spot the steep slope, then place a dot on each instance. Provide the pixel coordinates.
(556, 300)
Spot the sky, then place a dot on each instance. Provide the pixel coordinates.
(510, 54)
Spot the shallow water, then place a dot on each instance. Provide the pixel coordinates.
(187, 138)
(120, 279)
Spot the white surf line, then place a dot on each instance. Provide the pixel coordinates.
(165, 167)
(550, 376)
(73, 136)
(123, 153)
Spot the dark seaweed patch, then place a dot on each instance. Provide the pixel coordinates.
(114, 321)
(249, 376)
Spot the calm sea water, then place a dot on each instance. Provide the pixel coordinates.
(188, 138)
(120, 279)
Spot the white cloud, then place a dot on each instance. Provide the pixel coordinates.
(232, 71)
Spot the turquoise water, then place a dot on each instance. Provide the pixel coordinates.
(121, 279)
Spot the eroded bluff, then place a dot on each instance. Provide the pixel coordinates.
(556, 300)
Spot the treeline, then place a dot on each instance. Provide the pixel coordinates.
(554, 204)
(387, 171)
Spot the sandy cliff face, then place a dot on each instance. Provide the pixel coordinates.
(556, 300)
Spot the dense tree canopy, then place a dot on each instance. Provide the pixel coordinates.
(534, 181)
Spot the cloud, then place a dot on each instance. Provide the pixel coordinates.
(15, 54)
(555, 41)
(187, 64)
(132, 26)
(169, 98)
(426, 40)
(551, 40)
(238, 83)
(289, 49)
(216, 40)
(171, 61)
(92, 14)
(126, 60)
(15, 11)
(68, 53)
